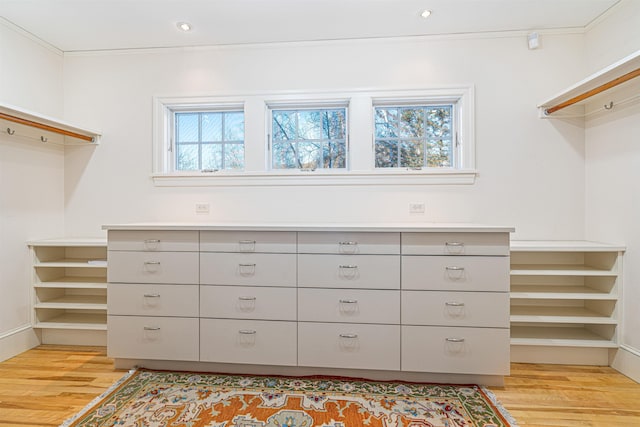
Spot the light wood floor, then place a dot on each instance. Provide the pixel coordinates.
(46, 385)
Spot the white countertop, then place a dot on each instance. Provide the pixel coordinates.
(344, 227)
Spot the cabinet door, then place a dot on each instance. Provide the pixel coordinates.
(248, 302)
(153, 240)
(248, 241)
(348, 243)
(248, 341)
(349, 271)
(455, 243)
(349, 305)
(163, 338)
(135, 299)
(481, 351)
(455, 273)
(349, 345)
(153, 267)
(437, 308)
(247, 269)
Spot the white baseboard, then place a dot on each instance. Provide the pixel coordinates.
(17, 341)
(627, 361)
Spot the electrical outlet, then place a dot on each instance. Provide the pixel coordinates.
(416, 207)
(202, 208)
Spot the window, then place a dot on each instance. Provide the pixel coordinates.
(209, 140)
(309, 139)
(414, 136)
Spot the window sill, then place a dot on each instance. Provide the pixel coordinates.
(316, 178)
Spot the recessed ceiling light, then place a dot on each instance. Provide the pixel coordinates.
(184, 26)
(425, 13)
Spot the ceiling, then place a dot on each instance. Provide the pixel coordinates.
(87, 25)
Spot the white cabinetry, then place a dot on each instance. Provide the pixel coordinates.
(564, 301)
(70, 290)
(388, 302)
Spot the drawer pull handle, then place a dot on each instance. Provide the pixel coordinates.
(349, 336)
(247, 242)
(348, 301)
(454, 268)
(348, 243)
(247, 265)
(454, 304)
(152, 241)
(455, 244)
(247, 245)
(151, 328)
(152, 295)
(247, 298)
(349, 266)
(247, 332)
(456, 340)
(152, 263)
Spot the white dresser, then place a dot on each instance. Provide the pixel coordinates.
(415, 302)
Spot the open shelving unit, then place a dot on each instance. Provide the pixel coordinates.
(18, 122)
(70, 290)
(564, 301)
(611, 88)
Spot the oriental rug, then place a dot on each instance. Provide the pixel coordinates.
(186, 399)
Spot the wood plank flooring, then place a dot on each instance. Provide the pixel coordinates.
(46, 385)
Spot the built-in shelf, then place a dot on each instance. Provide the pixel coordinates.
(70, 290)
(565, 295)
(18, 122)
(601, 91)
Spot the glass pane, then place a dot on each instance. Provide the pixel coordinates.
(411, 154)
(386, 154)
(211, 127)
(309, 125)
(284, 125)
(234, 126)
(333, 124)
(411, 123)
(187, 127)
(234, 156)
(334, 155)
(439, 153)
(212, 156)
(310, 155)
(386, 121)
(284, 156)
(439, 122)
(187, 157)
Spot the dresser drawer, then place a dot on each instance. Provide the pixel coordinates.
(247, 269)
(455, 243)
(472, 273)
(349, 306)
(248, 341)
(436, 308)
(482, 351)
(349, 271)
(316, 242)
(135, 299)
(248, 302)
(153, 267)
(349, 345)
(165, 338)
(159, 241)
(248, 241)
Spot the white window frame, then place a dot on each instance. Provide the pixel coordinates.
(360, 139)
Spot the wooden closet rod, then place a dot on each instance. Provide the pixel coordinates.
(45, 127)
(613, 83)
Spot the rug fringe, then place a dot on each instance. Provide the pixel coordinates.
(95, 401)
(503, 411)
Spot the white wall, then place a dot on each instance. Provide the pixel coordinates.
(530, 176)
(31, 179)
(613, 171)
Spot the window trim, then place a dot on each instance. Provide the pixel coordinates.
(360, 140)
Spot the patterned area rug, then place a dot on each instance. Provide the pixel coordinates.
(182, 399)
